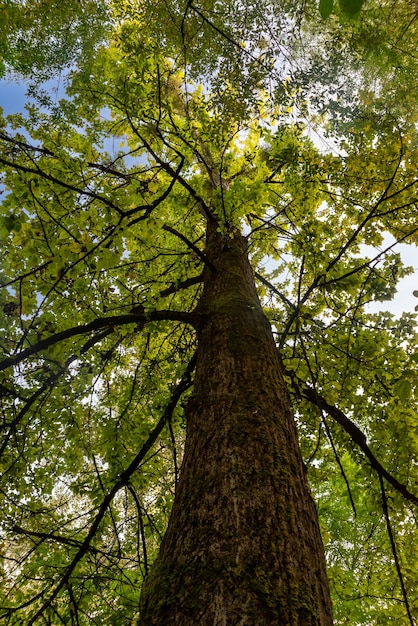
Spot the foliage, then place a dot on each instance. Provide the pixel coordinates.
(348, 8)
(286, 126)
(38, 37)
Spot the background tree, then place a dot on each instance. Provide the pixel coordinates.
(121, 223)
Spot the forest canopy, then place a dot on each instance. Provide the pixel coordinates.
(292, 123)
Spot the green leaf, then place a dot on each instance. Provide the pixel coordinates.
(325, 8)
(403, 389)
(351, 7)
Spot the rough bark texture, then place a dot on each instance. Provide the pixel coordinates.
(243, 543)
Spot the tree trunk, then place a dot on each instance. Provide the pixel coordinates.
(243, 544)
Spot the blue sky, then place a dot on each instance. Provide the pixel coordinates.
(13, 99)
(12, 96)
(404, 301)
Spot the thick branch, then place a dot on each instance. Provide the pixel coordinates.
(103, 322)
(376, 259)
(359, 438)
(167, 168)
(272, 288)
(185, 284)
(229, 38)
(67, 541)
(371, 214)
(123, 481)
(149, 208)
(25, 146)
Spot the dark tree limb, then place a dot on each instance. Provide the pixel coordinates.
(48, 383)
(367, 264)
(185, 284)
(394, 550)
(359, 438)
(123, 481)
(141, 529)
(339, 463)
(228, 37)
(168, 168)
(190, 245)
(148, 208)
(23, 145)
(29, 273)
(274, 289)
(66, 541)
(328, 431)
(83, 192)
(98, 324)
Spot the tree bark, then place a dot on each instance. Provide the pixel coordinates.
(243, 545)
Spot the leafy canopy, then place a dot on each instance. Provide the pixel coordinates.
(39, 38)
(301, 132)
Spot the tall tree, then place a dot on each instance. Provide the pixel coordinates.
(192, 241)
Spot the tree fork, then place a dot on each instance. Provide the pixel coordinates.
(243, 544)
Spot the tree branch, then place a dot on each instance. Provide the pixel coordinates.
(167, 167)
(190, 245)
(376, 259)
(123, 481)
(83, 192)
(97, 324)
(149, 208)
(185, 284)
(48, 383)
(66, 541)
(359, 438)
(272, 288)
(394, 550)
